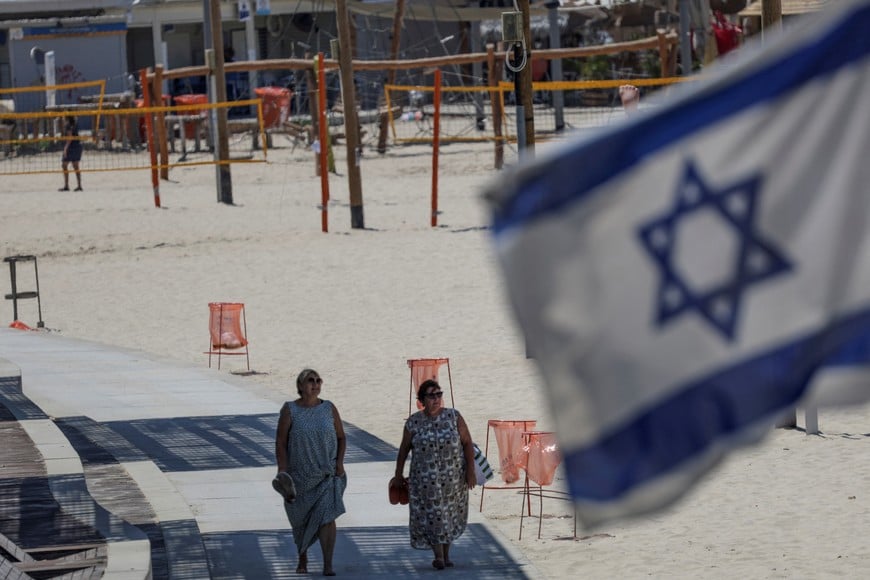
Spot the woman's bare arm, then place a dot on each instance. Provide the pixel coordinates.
(282, 438)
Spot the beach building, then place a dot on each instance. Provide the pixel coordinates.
(87, 37)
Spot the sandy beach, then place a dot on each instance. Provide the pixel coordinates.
(356, 304)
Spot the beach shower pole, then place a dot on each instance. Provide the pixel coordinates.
(517, 32)
(518, 102)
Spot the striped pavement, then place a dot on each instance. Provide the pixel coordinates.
(168, 467)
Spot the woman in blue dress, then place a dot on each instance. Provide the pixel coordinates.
(310, 446)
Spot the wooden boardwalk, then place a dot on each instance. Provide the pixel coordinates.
(30, 545)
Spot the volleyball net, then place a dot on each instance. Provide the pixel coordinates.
(114, 130)
(488, 113)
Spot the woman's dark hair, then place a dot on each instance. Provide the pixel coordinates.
(424, 388)
(303, 376)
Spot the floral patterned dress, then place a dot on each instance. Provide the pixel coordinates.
(312, 451)
(437, 486)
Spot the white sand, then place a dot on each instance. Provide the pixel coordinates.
(356, 304)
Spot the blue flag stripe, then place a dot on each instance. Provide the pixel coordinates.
(551, 184)
(721, 405)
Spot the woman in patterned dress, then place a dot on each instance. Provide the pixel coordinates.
(310, 446)
(442, 472)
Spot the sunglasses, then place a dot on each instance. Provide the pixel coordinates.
(437, 395)
(317, 381)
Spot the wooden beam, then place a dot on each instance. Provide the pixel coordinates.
(651, 43)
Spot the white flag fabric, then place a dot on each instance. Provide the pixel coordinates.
(686, 276)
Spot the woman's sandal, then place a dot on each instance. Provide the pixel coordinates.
(438, 564)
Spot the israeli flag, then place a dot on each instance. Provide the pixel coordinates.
(687, 276)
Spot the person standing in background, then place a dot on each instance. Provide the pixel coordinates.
(72, 153)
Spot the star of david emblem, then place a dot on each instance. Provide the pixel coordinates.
(754, 258)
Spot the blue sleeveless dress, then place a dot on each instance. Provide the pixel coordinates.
(312, 451)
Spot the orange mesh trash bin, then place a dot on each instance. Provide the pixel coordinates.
(276, 105)
(194, 99)
(227, 330)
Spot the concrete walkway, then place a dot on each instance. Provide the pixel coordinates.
(171, 466)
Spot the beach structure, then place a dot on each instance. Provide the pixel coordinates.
(88, 39)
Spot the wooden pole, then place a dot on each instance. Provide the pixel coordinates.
(663, 55)
(311, 88)
(224, 177)
(495, 105)
(525, 79)
(149, 136)
(685, 38)
(436, 128)
(351, 120)
(161, 122)
(771, 16)
(395, 45)
(323, 137)
(556, 65)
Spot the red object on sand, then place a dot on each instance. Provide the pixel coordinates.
(19, 325)
(727, 34)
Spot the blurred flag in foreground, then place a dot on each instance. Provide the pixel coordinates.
(686, 276)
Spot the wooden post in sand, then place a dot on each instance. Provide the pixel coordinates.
(771, 16)
(157, 92)
(323, 139)
(149, 136)
(525, 80)
(311, 87)
(395, 44)
(222, 144)
(436, 142)
(495, 104)
(351, 120)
